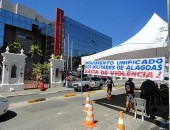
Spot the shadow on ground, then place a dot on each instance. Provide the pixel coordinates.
(7, 116)
(119, 101)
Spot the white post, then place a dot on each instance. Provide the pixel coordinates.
(5, 73)
(71, 55)
(68, 53)
(80, 70)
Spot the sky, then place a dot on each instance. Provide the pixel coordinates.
(119, 19)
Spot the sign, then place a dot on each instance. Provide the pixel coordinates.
(58, 38)
(149, 68)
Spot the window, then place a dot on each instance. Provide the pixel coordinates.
(13, 71)
(2, 12)
(1, 26)
(56, 72)
(8, 20)
(1, 40)
(2, 19)
(1, 33)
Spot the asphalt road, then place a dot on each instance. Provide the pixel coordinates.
(60, 113)
(29, 97)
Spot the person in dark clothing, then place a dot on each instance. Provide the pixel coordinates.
(149, 90)
(129, 87)
(109, 83)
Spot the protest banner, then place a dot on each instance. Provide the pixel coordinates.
(148, 68)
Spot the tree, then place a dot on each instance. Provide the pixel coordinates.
(35, 51)
(38, 70)
(14, 46)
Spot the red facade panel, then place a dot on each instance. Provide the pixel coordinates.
(58, 32)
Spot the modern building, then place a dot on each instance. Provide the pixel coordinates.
(64, 36)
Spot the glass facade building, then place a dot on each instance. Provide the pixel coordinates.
(8, 18)
(82, 40)
(20, 22)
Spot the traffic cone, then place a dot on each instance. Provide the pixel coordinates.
(87, 103)
(89, 117)
(120, 122)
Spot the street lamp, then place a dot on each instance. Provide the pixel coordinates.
(80, 70)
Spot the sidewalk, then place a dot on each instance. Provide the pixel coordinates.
(119, 84)
(34, 91)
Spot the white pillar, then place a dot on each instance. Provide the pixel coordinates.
(54, 65)
(5, 72)
(16, 82)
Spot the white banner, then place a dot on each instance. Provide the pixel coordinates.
(149, 68)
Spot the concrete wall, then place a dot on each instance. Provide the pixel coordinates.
(22, 10)
(8, 6)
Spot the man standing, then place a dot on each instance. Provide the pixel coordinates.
(129, 87)
(149, 90)
(109, 83)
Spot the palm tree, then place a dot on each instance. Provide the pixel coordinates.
(35, 51)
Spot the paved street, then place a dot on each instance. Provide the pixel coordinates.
(61, 113)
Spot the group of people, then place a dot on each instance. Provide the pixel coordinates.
(149, 90)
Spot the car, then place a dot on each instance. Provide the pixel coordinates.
(88, 83)
(4, 104)
(165, 82)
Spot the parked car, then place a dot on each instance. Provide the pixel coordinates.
(4, 104)
(88, 83)
(165, 82)
(164, 91)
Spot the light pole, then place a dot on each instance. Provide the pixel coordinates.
(80, 70)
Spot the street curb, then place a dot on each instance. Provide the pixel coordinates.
(36, 100)
(10, 96)
(91, 92)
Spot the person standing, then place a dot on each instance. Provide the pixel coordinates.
(109, 83)
(66, 81)
(149, 90)
(129, 87)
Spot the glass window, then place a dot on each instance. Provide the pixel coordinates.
(28, 21)
(2, 19)
(28, 27)
(1, 40)
(8, 20)
(1, 33)
(21, 19)
(1, 26)
(8, 14)
(22, 25)
(2, 12)
(15, 17)
(15, 23)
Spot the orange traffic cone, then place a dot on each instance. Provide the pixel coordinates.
(89, 117)
(87, 103)
(120, 122)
